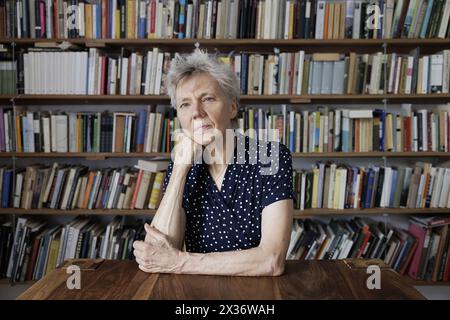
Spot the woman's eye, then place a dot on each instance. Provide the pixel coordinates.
(209, 99)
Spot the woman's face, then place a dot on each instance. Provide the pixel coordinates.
(202, 108)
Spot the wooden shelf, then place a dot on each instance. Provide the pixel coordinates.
(87, 155)
(256, 99)
(242, 44)
(298, 214)
(8, 282)
(166, 155)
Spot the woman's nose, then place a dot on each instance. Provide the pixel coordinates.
(197, 110)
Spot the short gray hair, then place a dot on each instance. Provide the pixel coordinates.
(201, 62)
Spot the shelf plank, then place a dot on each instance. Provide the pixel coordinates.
(257, 99)
(230, 42)
(298, 214)
(104, 155)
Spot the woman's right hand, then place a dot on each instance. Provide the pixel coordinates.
(185, 151)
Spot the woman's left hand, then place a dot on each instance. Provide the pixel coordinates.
(156, 254)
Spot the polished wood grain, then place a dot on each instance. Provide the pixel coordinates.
(112, 279)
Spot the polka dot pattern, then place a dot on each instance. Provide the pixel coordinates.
(230, 218)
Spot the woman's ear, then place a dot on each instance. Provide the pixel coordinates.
(234, 109)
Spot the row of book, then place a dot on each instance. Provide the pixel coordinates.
(330, 185)
(326, 185)
(323, 130)
(351, 130)
(224, 19)
(422, 252)
(66, 187)
(96, 72)
(124, 132)
(38, 247)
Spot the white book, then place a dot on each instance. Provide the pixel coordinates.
(320, 19)
(61, 133)
(443, 199)
(155, 60)
(436, 72)
(425, 74)
(18, 190)
(148, 73)
(397, 78)
(267, 18)
(444, 20)
(158, 77)
(68, 186)
(124, 76)
(408, 84)
(357, 20)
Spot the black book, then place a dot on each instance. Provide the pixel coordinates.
(300, 19)
(176, 24)
(379, 187)
(123, 15)
(419, 130)
(214, 19)
(253, 19)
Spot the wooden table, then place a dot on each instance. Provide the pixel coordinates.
(107, 279)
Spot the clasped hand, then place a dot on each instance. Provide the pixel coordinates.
(156, 254)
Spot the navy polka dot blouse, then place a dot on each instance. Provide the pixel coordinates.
(230, 219)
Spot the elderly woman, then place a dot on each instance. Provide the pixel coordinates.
(224, 217)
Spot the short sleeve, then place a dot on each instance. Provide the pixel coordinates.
(278, 181)
(167, 177)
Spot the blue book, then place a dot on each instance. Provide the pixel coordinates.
(182, 19)
(393, 188)
(6, 188)
(142, 21)
(99, 22)
(426, 20)
(110, 17)
(25, 134)
(369, 189)
(244, 73)
(142, 117)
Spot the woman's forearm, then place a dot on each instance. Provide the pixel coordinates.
(250, 262)
(170, 217)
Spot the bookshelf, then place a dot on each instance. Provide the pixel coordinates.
(296, 102)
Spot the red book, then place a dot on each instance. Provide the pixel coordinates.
(407, 125)
(104, 18)
(55, 21)
(152, 25)
(136, 189)
(419, 232)
(42, 17)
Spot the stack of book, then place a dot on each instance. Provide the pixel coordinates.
(422, 251)
(141, 131)
(224, 19)
(36, 248)
(339, 186)
(68, 187)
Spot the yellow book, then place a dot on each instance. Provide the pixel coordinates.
(336, 20)
(117, 31)
(155, 196)
(53, 255)
(19, 147)
(337, 188)
(388, 132)
(291, 20)
(251, 122)
(315, 192)
(88, 19)
(130, 24)
(330, 20)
